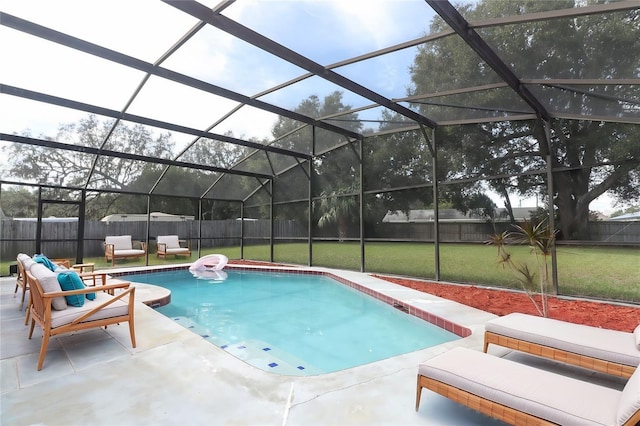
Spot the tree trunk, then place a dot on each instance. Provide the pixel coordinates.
(573, 212)
(342, 228)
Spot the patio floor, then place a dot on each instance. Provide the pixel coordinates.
(175, 377)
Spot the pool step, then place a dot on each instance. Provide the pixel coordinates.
(269, 358)
(255, 352)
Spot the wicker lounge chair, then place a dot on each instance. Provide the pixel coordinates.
(170, 244)
(607, 351)
(520, 394)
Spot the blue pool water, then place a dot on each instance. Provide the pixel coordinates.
(292, 324)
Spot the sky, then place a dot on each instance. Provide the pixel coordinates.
(323, 30)
(326, 31)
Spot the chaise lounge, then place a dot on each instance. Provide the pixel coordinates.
(121, 247)
(607, 351)
(170, 244)
(520, 394)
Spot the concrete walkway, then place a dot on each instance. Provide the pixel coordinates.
(175, 377)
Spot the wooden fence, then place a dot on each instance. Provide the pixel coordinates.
(59, 238)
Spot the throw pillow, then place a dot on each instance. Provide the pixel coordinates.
(49, 283)
(41, 258)
(71, 281)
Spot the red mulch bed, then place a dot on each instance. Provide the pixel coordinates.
(500, 302)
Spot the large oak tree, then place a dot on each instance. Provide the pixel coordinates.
(589, 157)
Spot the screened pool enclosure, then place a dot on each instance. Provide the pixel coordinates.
(382, 136)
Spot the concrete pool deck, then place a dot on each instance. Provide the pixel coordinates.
(175, 377)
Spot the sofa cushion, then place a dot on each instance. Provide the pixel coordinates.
(28, 263)
(49, 282)
(120, 242)
(71, 281)
(630, 399)
(116, 309)
(21, 257)
(636, 335)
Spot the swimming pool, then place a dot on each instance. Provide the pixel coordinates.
(292, 324)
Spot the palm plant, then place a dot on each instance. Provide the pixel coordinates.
(337, 208)
(541, 239)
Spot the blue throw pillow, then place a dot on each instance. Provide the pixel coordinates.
(91, 296)
(71, 281)
(41, 258)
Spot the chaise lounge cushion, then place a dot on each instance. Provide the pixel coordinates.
(49, 282)
(630, 399)
(608, 345)
(550, 396)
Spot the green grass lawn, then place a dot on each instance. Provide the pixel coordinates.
(599, 272)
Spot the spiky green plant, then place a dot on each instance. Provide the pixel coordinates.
(541, 239)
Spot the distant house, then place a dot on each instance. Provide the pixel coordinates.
(153, 217)
(629, 217)
(453, 215)
(47, 219)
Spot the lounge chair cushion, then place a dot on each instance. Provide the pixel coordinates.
(636, 335)
(171, 241)
(49, 282)
(550, 396)
(609, 345)
(117, 308)
(172, 244)
(132, 252)
(630, 399)
(120, 242)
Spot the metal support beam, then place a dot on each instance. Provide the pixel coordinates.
(229, 26)
(81, 219)
(436, 209)
(129, 61)
(550, 207)
(271, 228)
(361, 207)
(125, 155)
(39, 223)
(93, 109)
(460, 25)
(242, 230)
